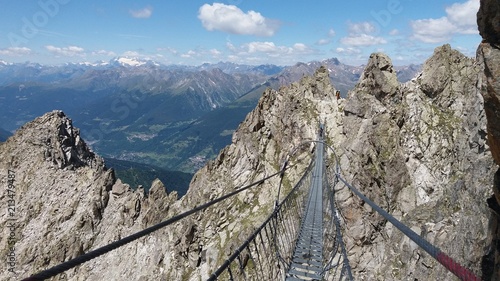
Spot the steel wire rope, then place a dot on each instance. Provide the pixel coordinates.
(258, 257)
(450, 264)
(337, 172)
(269, 222)
(55, 270)
(252, 259)
(329, 265)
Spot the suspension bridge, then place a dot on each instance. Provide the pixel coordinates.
(300, 240)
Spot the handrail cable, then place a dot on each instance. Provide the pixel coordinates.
(58, 269)
(454, 267)
(237, 252)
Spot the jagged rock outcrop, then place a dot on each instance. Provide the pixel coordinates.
(281, 121)
(62, 199)
(488, 58)
(71, 202)
(417, 149)
(419, 152)
(488, 21)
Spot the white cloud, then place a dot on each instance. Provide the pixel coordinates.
(142, 13)
(15, 51)
(230, 46)
(104, 53)
(131, 54)
(362, 40)
(231, 19)
(215, 52)
(189, 54)
(360, 34)
(361, 27)
(264, 47)
(70, 51)
(272, 49)
(348, 51)
(323, 42)
(433, 30)
(301, 48)
(464, 15)
(460, 19)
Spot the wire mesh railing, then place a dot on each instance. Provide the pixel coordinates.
(266, 253)
(335, 261)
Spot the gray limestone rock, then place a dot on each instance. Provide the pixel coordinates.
(488, 21)
(417, 149)
(379, 77)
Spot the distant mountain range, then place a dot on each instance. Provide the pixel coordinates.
(172, 116)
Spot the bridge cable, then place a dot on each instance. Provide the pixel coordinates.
(58, 269)
(454, 267)
(269, 222)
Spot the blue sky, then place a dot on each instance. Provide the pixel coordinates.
(241, 31)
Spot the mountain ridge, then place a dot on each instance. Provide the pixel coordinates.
(387, 135)
(132, 112)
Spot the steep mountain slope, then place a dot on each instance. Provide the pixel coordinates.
(488, 57)
(417, 149)
(140, 110)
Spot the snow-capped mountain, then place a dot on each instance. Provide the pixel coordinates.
(132, 61)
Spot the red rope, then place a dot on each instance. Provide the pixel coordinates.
(460, 271)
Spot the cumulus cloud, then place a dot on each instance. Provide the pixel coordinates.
(189, 54)
(142, 13)
(362, 40)
(460, 19)
(215, 52)
(271, 49)
(348, 51)
(323, 42)
(263, 47)
(300, 47)
(464, 15)
(104, 53)
(70, 51)
(362, 34)
(361, 27)
(231, 19)
(15, 51)
(131, 54)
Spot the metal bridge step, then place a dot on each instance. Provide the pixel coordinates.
(310, 262)
(291, 278)
(301, 275)
(306, 267)
(307, 254)
(312, 248)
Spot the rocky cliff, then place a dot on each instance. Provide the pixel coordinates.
(417, 149)
(488, 58)
(66, 198)
(421, 150)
